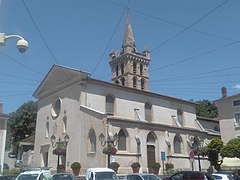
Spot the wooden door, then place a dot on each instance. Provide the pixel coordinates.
(150, 157)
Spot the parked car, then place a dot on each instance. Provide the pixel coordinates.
(5, 166)
(223, 176)
(63, 176)
(141, 176)
(41, 174)
(101, 174)
(12, 155)
(231, 173)
(18, 163)
(8, 177)
(187, 175)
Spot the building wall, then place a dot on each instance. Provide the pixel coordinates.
(226, 110)
(83, 109)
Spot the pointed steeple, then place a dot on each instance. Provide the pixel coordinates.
(128, 41)
(129, 67)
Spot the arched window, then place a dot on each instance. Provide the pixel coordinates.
(150, 138)
(134, 82)
(47, 130)
(92, 140)
(122, 68)
(109, 105)
(65, 124)
(142, 84)
(116, 70)
(122, 141)
(116, 82)
(134, 68)
(180, 116)
(123, 81)
(141, 69)
(148, 112)
(177, 144)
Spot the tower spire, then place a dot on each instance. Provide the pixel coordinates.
(128, 44)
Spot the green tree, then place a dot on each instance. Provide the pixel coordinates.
(207, 109)
(212, 150)
(23, 122)
(231, 149)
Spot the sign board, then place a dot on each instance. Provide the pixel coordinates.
(163, 156)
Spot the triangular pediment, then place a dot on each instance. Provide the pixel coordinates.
(57, 78)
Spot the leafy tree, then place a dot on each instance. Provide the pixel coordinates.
(231, 149)
(207, 109)
(212, 150)
(23, 122)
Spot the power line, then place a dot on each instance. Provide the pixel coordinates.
(188, 27)
(196, 56)
(114, 32)
(39, 32)
(18, 77)
(190, 75)
(199, 77)
(18, 62)
(172, 23)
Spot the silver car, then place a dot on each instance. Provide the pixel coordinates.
(141, 176)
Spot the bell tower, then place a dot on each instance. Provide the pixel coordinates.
(129, 67)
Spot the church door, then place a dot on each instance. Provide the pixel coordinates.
(150, 157)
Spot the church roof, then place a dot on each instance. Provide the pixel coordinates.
(128, 39)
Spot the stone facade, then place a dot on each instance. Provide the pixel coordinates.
(3, 133)
(129, 67)
(70, 102)
(229, 115)
(150, 127)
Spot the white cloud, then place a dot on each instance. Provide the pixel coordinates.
(237, 86)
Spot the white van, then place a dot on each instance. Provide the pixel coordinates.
(41, 174)
(101, 174)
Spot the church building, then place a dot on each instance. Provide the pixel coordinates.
(83, 117)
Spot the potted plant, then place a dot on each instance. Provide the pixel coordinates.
(135, 167)
(114, 166)
(76, 166)
(61, 168)
(156, 166)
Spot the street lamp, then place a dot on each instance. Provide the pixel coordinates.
(59, 144)
(199, 145)
(22, 44)
(111, 141)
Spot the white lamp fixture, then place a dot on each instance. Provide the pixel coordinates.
(22, 44)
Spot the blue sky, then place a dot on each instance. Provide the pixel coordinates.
(194, 45)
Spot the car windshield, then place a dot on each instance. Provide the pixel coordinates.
(106, 176)
(62, 176)
(28, 177)
(150, 177)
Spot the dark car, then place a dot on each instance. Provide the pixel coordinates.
(5, 166)
(141, 176)
(231, 173)
(193, 175)
(63, 176)
(8, 177)
(12, 155)
(18, 163)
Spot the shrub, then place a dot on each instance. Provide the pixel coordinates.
(61, 166)
(75, 165)
(136, 165)
(156, 165)
(169, 166)
(114, 165)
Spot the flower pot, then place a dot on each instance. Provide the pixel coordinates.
(135, 169)
(76, 171)
(156, 171)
